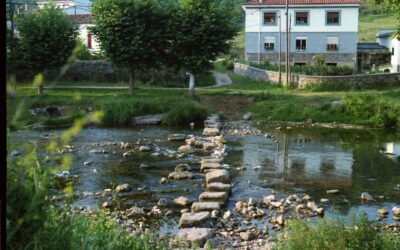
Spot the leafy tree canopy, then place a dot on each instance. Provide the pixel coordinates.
(203, 31)
(132, 33)
(46, 38)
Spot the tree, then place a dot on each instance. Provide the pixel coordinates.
(132, 33)
(203, 29)
(47, 39)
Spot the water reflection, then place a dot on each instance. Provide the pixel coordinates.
(314, 162)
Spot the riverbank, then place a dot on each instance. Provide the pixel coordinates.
(268, 103)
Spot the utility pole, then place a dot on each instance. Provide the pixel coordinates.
(289, 33)
(287, 42)
(280, 48)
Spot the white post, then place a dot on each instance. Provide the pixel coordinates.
(191, 82)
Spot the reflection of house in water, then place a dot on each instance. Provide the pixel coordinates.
(392, 148)
(301, 161)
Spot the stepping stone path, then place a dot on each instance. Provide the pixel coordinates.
(196, 225)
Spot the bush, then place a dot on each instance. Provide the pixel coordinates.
(334, 234)
(380, 112)
(122, 112)
(185, 114)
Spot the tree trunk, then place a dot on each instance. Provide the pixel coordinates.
(191, 84)
(40, 89)
(132, 82)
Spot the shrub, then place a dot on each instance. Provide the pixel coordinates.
(122, 112)
(334, 234)
(380, 112)
(185, 114)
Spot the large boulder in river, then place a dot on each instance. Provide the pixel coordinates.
(196, 236)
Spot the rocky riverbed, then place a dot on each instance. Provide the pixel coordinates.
(147, 178)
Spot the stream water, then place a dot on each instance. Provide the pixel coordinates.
(308, 161)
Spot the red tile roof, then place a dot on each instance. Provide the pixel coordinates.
(81, 18)
(295, 2)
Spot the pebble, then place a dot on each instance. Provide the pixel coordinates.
(163, 180)
(87, 163)
(227, 215)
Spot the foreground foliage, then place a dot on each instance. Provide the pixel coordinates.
(32, 222)
(334, 234)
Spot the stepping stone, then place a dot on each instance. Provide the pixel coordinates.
(208, 146)
(181, 175)
(210, 160)
(194, 219)
(218, 187)
(211, 132)
(185, 149)
(210, 166)
(220, 197)
(217, 176)
(197, 236)
(183, 201)
(176, 137)
(205, 206)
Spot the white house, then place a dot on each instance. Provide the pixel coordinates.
(71, 7)
(84, 21)
(324, 27)
(80, 13)
(386, 38)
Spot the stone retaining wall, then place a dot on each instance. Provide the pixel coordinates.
(303, 81)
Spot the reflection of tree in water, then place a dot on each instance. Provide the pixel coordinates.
(374, 172)
(297, 168)
(327, 166)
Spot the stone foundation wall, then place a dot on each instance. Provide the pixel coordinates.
(303, 81)
(342, 59)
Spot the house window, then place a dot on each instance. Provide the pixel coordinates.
(301, 43)
(332, 43)
(89, 40)
(269, 43)
(332, 17)
(269, 18)
(392, 51)
(302, 18)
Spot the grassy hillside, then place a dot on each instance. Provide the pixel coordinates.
(369, 24)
